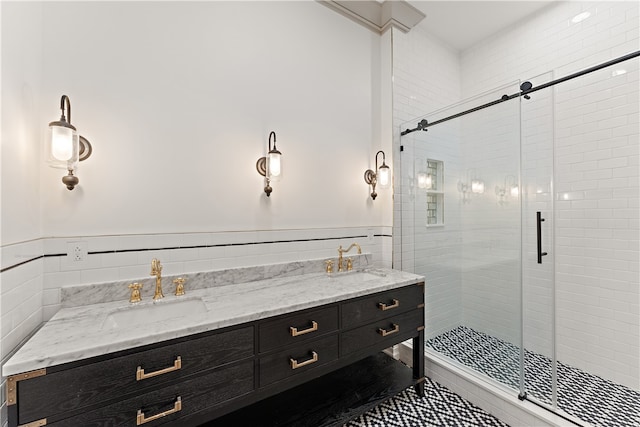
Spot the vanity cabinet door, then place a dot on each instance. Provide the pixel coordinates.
(69, 391)
(382, 333)
(297, 328)
(298, 359)
(381, 305)
(168, 404)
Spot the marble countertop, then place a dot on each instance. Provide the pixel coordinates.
(80, 332)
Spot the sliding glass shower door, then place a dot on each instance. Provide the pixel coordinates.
(461, 177)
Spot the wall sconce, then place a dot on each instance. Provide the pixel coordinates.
(382, 176)
(425, 180)
(270, 166)
(65, 148)
(471, 186)
(510, 189)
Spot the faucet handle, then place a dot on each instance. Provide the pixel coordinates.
(156, 267)
(135, 292)
(179, 282)
(349, 264)
(329, 264)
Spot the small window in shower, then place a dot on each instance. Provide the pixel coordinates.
(432, 180)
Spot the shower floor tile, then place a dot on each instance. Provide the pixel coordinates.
(440, 407)
(588, 397)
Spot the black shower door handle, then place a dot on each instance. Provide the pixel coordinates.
(539, 220)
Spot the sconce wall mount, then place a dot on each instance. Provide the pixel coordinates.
(65, 147)
(381, 176)
(270, 166)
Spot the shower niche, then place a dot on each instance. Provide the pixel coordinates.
(431, 181)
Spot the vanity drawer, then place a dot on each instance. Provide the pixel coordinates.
(297, 327)
(298, 359)
(75, 388)
(381, 305)
(174, 401)
(384, 332)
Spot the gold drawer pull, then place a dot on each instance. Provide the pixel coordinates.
(177, 407)
(140, 375)
(295, 332)
(384, 333)
(382, 306)
(295, 364)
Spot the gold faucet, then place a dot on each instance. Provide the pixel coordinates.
(341, 251)
(156, 270)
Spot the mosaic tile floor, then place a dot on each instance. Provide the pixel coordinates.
(440, 407)
(588, 397)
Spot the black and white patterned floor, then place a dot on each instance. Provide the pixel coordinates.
(588, 397)
(440, 407)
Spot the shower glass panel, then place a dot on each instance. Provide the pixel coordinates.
(472, 259)
(537, 191)
(597, 290)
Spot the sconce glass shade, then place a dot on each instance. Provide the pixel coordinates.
(384, 176)
(477, 186)
(425, 180)
(274, 165)
(63, 145)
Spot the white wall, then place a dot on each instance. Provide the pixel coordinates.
(20, 287)
(178, 99)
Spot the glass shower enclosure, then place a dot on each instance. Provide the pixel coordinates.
(523, 217)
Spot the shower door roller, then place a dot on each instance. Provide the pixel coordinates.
(539, 220)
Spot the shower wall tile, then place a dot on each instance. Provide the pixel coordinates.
(596, 197)
(426, 77)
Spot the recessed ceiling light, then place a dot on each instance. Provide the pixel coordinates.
(580, 17)
(618, 72)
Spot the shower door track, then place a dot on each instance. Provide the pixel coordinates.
(526, 89)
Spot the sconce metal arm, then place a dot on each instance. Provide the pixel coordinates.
(65, 101)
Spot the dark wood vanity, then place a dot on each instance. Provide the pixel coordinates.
(191, 380)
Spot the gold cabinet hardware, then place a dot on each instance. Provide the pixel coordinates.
(135, 292)
(295, 332)
(329, 264)
(140, 375)
(384, 332)
(384, 307)
(179, 282)
(295, 364)
(141, 419)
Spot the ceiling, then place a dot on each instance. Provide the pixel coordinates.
(461, 24)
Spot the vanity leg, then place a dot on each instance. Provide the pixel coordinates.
(418, 362)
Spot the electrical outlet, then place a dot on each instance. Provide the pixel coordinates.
(76, 252)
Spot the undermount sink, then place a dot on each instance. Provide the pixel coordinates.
(155, 312)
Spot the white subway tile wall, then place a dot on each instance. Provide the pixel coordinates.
(426, 77)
